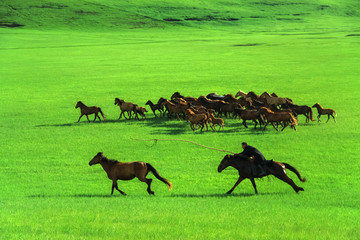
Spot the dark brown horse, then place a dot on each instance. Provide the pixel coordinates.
(155, 107)
(85, 110)
(243, 165)
(126, 171)
(302, 109)
(324, 111)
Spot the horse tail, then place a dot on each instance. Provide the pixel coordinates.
(156, 174)
(293, 119)
(102, 114)
(291, 168)
(311, 114)
(335, 113)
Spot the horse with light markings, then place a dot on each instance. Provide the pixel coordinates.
(243, 165)
(324, 111)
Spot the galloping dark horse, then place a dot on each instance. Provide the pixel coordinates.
(126, 171)
(242, 164)
(85, 110)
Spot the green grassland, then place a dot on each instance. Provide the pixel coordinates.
(94, 51)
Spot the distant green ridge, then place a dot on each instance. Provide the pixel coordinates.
(114, 14)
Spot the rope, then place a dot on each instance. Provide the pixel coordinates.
(181, 140)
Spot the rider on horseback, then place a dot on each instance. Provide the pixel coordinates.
(258, 159)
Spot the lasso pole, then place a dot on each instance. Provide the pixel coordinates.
(181, 140)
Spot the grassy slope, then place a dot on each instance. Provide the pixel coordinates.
(48, 190)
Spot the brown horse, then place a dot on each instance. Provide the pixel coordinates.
(85, 110)
(245, 115)
(243, 165)
(277, 117)
(187, 99)
(124, 107)
(139, 111)
(216, 121)
(175, 108)
(200, 119)
(126, 171)
(324, 111)
(240, 93)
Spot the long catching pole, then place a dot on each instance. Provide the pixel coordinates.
(181, 140)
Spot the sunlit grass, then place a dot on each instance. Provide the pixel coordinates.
(50, 192)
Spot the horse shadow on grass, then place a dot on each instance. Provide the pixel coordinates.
(223, 195)
(181, 195)
(71, 196)
(130, 122)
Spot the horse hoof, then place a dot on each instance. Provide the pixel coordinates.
(229, 192)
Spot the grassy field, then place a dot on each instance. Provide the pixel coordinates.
(97, 50)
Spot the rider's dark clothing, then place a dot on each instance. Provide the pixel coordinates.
(259, 159)
(250, 151)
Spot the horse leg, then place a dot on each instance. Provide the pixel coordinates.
(142, 177)
(283, 177)
(255, 123)
(244, 123)
(95, 117)
(115, 185)
(285, 125)
(333, 117)
(272, 123)
(319, 118)
(254, 185)
(112, 188)
(148, 181)
(328, 117)
(265, 125)
(80, 117)
(87, 118)
(237, 183)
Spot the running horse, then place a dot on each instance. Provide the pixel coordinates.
(85, 110)
(243, 165)
(324, 111)
(126, 171)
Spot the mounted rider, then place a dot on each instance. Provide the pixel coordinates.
(259, 160)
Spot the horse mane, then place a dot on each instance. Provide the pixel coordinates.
(318, 105)
(108, 160)
(239, 157)
(266, 109)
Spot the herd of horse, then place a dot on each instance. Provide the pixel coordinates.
(208, 110)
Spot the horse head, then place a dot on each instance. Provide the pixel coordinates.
(79, 104)
(316, 105)
(118, 101)
(176, 95)
(224, 163)
(97, 159)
